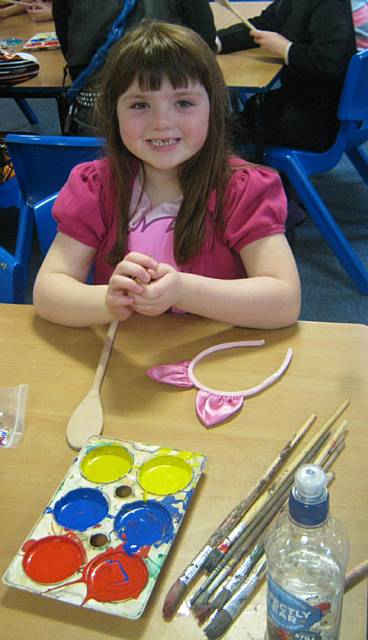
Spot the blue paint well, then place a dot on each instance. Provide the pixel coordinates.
(143, 523)
(80, 509)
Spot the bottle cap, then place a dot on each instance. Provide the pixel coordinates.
(308, 502)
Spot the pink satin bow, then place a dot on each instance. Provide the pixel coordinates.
(214, 406)
(211, 408)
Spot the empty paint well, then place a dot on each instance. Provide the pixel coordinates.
(80, 509)
(164, 475)
(106, 464)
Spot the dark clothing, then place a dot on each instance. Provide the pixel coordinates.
(82, 26)
(303, 112)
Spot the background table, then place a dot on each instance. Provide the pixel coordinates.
(49, 82)
(244, 68)
(254, 69)
(329, 365)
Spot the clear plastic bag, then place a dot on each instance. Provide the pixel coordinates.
(13, 402)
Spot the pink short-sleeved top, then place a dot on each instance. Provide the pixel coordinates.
(254, 207)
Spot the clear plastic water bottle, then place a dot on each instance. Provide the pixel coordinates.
(307, 552)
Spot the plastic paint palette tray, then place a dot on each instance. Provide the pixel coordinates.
(103, 538)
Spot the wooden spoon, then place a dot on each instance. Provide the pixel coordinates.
(87, 419)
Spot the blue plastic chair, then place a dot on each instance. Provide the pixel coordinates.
(11, 271)
(9, 193)
(300, 165)
(42, 165)
(27, 110)
(45, 224)
(46, 227)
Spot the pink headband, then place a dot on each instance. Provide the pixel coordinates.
(214, 406)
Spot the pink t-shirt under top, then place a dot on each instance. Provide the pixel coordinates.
(151, 229)
(254, 207)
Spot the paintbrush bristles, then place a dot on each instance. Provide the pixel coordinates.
(227, 5)
(173, 598)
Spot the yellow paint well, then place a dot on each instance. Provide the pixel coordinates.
(164, 475)
(106, 464)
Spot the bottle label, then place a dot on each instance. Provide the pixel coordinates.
(288, 613)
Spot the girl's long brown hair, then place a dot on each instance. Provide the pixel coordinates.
(148, 53)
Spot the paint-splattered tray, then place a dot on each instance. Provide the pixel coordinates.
(105, 534)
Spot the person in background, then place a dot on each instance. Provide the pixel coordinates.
(83, 26)
(360, 19)
(315, 39)
(38, 11)
(170, 219)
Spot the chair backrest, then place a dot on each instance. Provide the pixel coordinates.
(45, 223)
(354, 97)
(42, 163)
(47, 228)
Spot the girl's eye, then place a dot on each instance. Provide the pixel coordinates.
(139, 105)
(184, 104)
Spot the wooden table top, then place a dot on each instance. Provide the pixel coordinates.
(253, 68)
(51, 62)
(329, 365)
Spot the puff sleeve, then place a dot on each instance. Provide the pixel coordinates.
(83, 209)
(255, 206)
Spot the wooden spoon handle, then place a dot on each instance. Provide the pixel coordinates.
(105, 355)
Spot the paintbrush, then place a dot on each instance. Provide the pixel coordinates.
(179, 587)
(339, 447)
(242, 546)
(230, 585)
(226, 616)
(245, 533)
(227, 5)
(224, 542)
(356, 575)
(331, 444)
(310, 449)
(241, 571)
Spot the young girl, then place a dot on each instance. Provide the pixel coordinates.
(169, 218)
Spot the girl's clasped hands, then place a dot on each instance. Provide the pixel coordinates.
(141, 284)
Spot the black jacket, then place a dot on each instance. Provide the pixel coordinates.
(323, 39)
(82, 26)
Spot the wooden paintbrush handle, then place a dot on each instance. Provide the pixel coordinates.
(356, 575)
(241, 18)
(105, 355)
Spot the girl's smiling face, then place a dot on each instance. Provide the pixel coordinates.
(164, 128)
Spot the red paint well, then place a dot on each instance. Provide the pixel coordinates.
(52, 559)
(114, 576)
